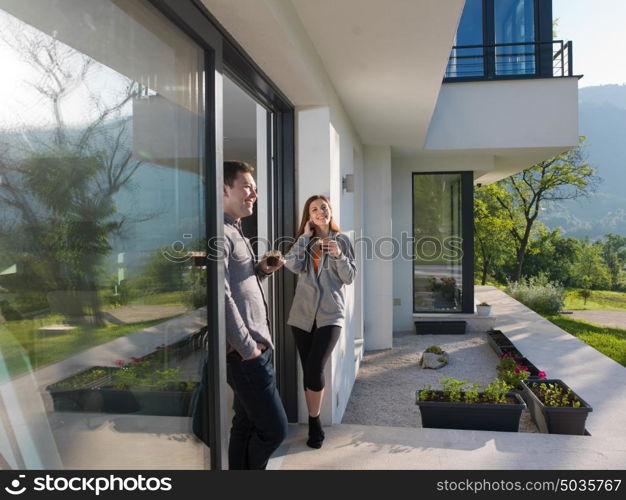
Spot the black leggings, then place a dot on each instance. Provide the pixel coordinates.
(314, 348)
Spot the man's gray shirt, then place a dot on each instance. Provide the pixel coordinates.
(246, 308)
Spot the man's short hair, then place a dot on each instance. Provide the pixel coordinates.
(232, 169)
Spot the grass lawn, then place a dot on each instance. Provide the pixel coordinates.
(609, 341)
(600, 299)
(162, 299)
(20, 338)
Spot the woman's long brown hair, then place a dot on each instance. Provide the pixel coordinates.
(305, 215)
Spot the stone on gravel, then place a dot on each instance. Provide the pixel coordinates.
(433, 361)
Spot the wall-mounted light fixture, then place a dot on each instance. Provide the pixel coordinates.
(347, 183)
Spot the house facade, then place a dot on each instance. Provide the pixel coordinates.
(116, 119)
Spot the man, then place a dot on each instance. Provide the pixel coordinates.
(260, 422)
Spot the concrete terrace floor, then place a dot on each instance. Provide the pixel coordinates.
(595, 377)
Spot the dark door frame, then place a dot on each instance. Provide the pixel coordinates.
(223, 55)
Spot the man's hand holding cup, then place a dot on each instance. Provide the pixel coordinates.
(272, 261)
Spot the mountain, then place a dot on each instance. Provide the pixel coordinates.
(602, 119)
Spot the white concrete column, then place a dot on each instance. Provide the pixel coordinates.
(378, 273)
(318, 158)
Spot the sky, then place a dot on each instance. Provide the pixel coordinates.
(597, 29)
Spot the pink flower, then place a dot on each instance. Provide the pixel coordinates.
(517, 370)
(542, 374)
(523, 368)
(120, 363)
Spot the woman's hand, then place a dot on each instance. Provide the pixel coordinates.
(308, 229)
(331, 247)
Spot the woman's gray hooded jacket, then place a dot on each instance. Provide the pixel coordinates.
(320, 297)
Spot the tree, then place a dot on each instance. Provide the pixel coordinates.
(585, 290)
(566, 176)
(492, 239)
(58, 186)
(614, 253)
(553, 255)
(590, 271)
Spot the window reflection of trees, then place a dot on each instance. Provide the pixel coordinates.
(59, 182)
(59, 217)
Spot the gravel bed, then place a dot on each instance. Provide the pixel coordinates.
(384, 391)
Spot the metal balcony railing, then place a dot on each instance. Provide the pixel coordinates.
(510, 60)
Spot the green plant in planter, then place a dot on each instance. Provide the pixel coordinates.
(142, 374)
(471, 394)
(427, 393)
(452, 388)
(511, 372)
(506, 364)
(82, 379)
(458, 391)
(496, 391)
(555, 395)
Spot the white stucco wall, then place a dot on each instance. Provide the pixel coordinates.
(535, 113)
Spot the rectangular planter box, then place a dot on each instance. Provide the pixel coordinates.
(440, 327)
(555, 420)
(110, 400)
(532, 369)
(511, 349)
(472, 416)
(494, 345)
(98, 397)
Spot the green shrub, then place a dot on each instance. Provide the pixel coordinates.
(496, 391)
(538, 293)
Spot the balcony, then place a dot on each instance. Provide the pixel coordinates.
(506, 61)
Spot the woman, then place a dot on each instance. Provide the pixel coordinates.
(323, 259)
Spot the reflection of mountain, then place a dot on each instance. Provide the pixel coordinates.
(603, 121)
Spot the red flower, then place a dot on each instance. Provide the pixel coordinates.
(542, 374)
(120, 363)
(517, 370)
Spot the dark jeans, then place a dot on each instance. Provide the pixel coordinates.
(260, 422)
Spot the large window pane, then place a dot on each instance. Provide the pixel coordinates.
(437, 229)
(515, 24)
(102, 233)
(468, 61)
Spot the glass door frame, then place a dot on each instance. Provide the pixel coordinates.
(224, 56)
(467, 228)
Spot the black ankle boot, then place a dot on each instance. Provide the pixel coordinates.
(316, 433)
